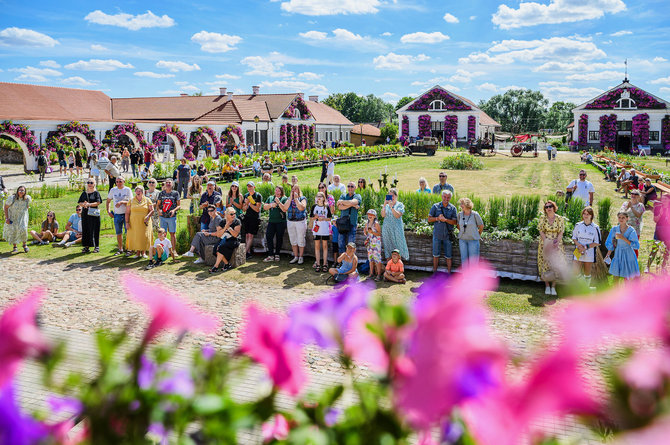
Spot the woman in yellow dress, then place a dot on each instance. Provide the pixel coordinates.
(138, 216)
(551, 227)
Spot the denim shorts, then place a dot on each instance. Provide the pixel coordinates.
(443, 245)
(169, 224)
(73, 235)
(120, 223)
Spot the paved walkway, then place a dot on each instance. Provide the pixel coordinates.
(84, 298)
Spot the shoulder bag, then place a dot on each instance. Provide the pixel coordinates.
(92, 211)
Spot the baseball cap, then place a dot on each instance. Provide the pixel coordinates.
(396, 251)
(372, 212)
(235, 183)
(251, 183)
(211, 183)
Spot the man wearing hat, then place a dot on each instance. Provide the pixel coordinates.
(210, 197)
(251, 221)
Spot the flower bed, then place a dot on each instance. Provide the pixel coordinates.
(462, 161)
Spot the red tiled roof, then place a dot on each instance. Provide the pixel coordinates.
(366, 129)
(179, 108)
(488, 121)
(323, 114)
(37, 102)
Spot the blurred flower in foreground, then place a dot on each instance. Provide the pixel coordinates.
(364, 346)
(647, 369)
(275, 429)
(263, 339)
(166, 308)
(16, 429)
(325, 320)
(19, 336)
(157, 434)
(451, 355)
(655, 434)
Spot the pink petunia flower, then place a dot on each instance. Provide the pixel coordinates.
(647, 369)
(362, 345)
(275, 429)
(451, 355)
(167, 309)
(19, 335)
(263, 339)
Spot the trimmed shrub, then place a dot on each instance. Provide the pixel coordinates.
(462, 161)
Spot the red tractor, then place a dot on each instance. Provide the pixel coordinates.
(524, 144)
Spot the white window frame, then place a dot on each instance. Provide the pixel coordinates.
(296, 114)
(631, 104)
(433, 107)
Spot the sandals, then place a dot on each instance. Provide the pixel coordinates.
(25, 249)
(96, 250)
(214, 270)
(15, 249)
(316, 267)
(85, 250)
(324, 268)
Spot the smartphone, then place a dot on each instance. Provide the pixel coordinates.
(389, 197)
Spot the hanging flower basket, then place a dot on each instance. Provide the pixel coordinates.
(22, 133)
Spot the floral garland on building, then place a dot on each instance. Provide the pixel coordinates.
(198, 135)
(665, 132)
(450, 129)
(450, 102)
(225, 139)
(160, 137)
(300, 104)
(289, 136)
(311, 136)
(22, 133)
(583, 130)
(642, 100)
(472, 129)
(282, 137)
(71, 127)
(405, 126)
(130, 127)
(640, 129)
(424, 125)
(608, 130)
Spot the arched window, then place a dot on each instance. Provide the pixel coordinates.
(436, 105)
(625, 102)
(296, 113)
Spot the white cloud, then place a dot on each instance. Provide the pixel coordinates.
(33, 74)
(129, 21)
(557, 11)
(227, 76)
(592, 77)
(185, 86)
(213, 42)
(308, 75)
(99, 48)
(262, 66)
(50, 64)
(76, 80)
(487, 86)
(393, 61)
(621, 33)
(153, 75)
(555, 48)
(449, 18)
(568, 93)
(320, 7)
(473, 17)
(387, 34)
(664, 90)
(659, 60)
(342, 38)
(344, 35)
(424, 37)
(314, 35)
(662, 80)
(25, 37)
(294, 86)
(177, 66)
(98, 65)
(461, 76)
(577, 67)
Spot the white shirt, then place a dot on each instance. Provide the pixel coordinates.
(330, 170)
(583, 189)
(167, 245)
(339, 187)
(116, 194)
(586, 235)
(323, 226)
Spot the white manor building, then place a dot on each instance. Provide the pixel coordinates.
(184, 123)
(623, 118)
(446, 116)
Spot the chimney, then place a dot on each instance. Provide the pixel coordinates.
(302, 95)
(183, 94)
(313, 98)
(222, 91)
(255, 89)
(230, 96)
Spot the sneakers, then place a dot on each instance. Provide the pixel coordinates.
(199, 261)
(553, 291)
(214, 270)
(36, 242)
(269, 259)
(294, 260)
(68, 244)
(44, 243)
(547, 290)
(118, 252)
(300, 260)
(189, 254)
(277, 258)
(151, 265)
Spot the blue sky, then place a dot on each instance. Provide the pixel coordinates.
(568, 49)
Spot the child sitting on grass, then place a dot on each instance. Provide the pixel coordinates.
(160, 250)
(349, 262)
(395, 269)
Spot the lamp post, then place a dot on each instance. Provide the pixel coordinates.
(256, 133)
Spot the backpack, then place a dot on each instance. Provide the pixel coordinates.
(41, 160)
(364, 267)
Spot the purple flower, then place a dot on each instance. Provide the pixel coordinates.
(16, 429)
(180, 383)
(147, 373)
(451, 432)
(157, 433)
(330, 418)
(134, 405)
(325, 321)
(208, 350)
(70, 405)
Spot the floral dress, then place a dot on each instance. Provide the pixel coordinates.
(374, 245)
(17, 213)
(552, 231)
(153, 196)
(634, 221)
(393, 232)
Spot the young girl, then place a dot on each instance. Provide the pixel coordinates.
(161, 249)
(94, 171)
(235, 199)
(586, 237)
(194, 192)
(48, 232)
(623, 240)
(320, 216)
(349, 262)
(373, 242)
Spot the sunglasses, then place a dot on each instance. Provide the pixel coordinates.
(582, 174)
(351, 187)
(78, 210)
(211, 210)
(549, 207)
(442, 176)
(90, 183)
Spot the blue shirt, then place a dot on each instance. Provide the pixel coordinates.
(426, 190)
(75, 222)
(437, 188)
(351, 211)
(441, 229)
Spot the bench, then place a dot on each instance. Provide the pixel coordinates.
(661, 188)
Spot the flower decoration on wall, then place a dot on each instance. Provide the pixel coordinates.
(198, 138)
(450, 129)
(227, 140)
(641, 98)
(472, 129)
(583, 130)
(424, 125)
(405, 127)
(450, 102)
(22, 133)
(299, 104)
(282, 137)
(56, 137)
(665, 132)
(640, 129)
(161, 135)
(608, 130)
(311, 136)
(129, 128)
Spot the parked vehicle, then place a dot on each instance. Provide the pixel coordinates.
(428, 145)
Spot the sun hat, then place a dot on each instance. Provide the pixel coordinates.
(351, 244)
(372, 212)
(235, 183)
(251, 183)
(211, 183)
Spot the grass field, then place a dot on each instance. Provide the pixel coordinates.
(502, 176)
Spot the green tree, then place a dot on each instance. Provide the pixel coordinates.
(389, 130)
(402, 102)
(517, 110)
(357, 108)
(559, 116)
(199, 93)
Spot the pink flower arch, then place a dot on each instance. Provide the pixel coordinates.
(23, 133)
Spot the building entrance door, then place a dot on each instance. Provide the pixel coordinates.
(623, 143)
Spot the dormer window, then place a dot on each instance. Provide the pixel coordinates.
(436, 105)
(625, 102)
(296, 114)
